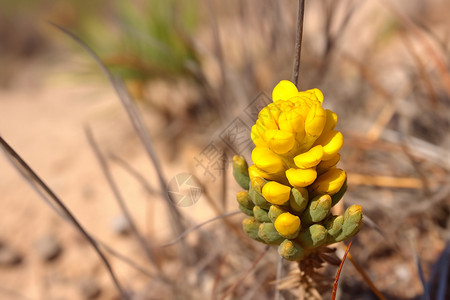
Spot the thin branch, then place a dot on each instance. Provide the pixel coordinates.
(277, 281)
(365, 277)
(193, 228)
(231, 289)
(138, 125)
(20, 162)
(115, 189)
(298, 42)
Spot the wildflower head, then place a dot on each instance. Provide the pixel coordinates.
(294, 178)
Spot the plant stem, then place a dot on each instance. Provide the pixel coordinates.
(298, 42)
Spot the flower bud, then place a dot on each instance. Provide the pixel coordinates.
(244, 199)
(276, 193)
(313, 237)
(290, 250)
(288, 225)
(301, 177)
(329, 182)
(240, 171)
(251, 228)
(260, 214)
(275, 211)
(269, 235)
(298, 199)
(317, 210)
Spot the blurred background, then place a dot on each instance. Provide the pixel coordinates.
(198, 70)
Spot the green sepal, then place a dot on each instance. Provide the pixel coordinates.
(352, 223)
(269, 234)
(260, 214)
(333, 224)
(256, 196)
(317, 210)
(240, 171)
(275, 211)
(338, 196)
(313, 237)
(298, 200)
(243, 198)
(292, 251)
(245, 210)
(251, 228)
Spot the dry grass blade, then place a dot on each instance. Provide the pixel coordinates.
(147, 248)
(438, 60)
(336, 280)
(366, 277)
(193, 228)
(298, 42)
(108, 249)
(138, 125)
(231, 289)
(385, 181)
(20, 163)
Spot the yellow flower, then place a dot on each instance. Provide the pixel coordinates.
(296, 144)
(294, 180)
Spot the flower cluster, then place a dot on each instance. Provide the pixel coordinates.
(294, 181)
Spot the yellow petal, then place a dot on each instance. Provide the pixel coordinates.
(327, 164)
(256, 137)
(331, 120)
(266, 118)
(279, 141)
(315, 121)
(287, 224)
(284, 90)
(331, 142)
(291, 121)
(329, 182)
(301, 177)
(309, 159)
(267, 161)
(313, 95)
(276, 193)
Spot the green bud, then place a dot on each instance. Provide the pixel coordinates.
(245, 210)
(275, 211)
(240, 171)
(333, 224)
(251, 228)
(298, 199)
(260, 214)
(244, 199)
(317, 209)
(269, 234)
(352, 222)
(256, 196)
(314, 236)
(338, 196)
(290, 250)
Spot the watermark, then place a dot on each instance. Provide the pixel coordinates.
(184, 189)
(213, 160)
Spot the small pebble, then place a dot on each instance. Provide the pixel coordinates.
(90, 289)
(9, 256)
(120, 225)
(48, 248)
